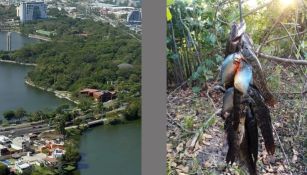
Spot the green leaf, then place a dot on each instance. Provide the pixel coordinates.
(196, 89)
(212, 39)
(175, 56)
(195, 76)
(218, 58)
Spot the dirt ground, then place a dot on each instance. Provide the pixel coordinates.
(197, 144)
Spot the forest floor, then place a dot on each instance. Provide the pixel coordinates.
(196, 140)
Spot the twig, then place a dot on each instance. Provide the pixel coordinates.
(202, 128)
(290, 37)
(267, 34)
(179, 125)
(301, 119)
(282, 148)
(169, 95)
(213, 104)
(211, 154)
(280, 38)
(282, 60)
(255, 9)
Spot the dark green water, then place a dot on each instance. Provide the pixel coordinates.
(14, 93)
(111, 150)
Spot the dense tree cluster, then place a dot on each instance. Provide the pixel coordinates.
(7, 12)
(17, 114)
(82, 54)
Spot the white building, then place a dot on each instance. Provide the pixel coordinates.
(4, 140)
(28, 11)
(20, 143)
(36, 159)
(57, 153)
(134, 17)
(22, 167)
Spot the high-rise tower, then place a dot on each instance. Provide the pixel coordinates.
(28, 11)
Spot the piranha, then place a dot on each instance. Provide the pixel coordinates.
(229, 68)
(243, 77)
(227, 103)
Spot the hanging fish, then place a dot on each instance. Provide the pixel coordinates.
(229, 68)
(243, 77)
(235, 127)
(233, 148)
(262, 114)
(246, 156)
(227, 103)
(252, 138)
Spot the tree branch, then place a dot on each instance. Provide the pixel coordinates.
(255, 9)
(268, 32)
(280, 38)
(282, 60)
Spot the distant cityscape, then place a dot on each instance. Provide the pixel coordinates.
(112, 11)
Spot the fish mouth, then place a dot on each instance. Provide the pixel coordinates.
(238, 58)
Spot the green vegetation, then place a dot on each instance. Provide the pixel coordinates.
(39, 170)
(17, 114)
(72, 156)
(4, 169)
(198, 31)
(8, 12)
(71, 62)
(133, 111)
(188, 122)
(82, 54)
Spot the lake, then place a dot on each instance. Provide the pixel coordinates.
(14, 93)
(112, 150)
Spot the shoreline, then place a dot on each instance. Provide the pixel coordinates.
(60, 94)
(15, 62)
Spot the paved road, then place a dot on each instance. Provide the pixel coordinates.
(38, 127)
(25, 130)
(42, 128)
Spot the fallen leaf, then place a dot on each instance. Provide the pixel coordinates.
(207, 164)
(277, 124)
(184, 169)
(294, 158)
(295, 152)
(173, 164)
(169, 147)
(179, 148)
(206, 143)
(207, 136)
(280, 168)
(182, 173)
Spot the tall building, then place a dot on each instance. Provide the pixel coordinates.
(134, 17)
(28, 11)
